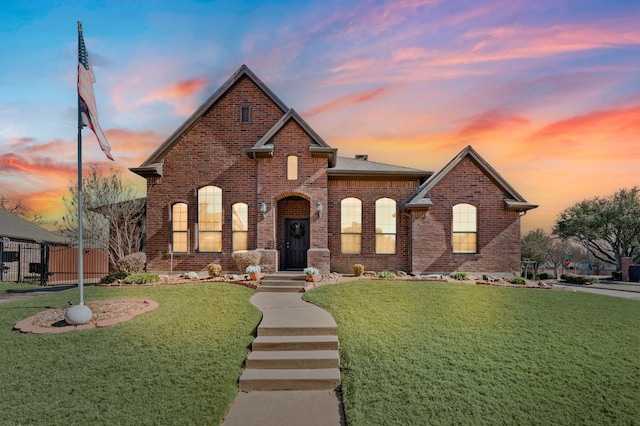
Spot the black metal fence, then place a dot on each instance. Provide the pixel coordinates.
(49, 264)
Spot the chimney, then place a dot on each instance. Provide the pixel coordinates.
(362, 157)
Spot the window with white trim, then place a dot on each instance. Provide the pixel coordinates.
(210, 219)
(465, 228)
(351, 226)
(385, 226)
(239, 227)
(179, 235)
(292, 167)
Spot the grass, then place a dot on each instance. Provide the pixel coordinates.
(438, 353)
(178, 364)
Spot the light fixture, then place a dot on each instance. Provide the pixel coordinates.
(263, 209)
(319, 207)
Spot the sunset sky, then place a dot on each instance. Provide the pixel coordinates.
(547, 91)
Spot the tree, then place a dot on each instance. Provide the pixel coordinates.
(110, 213)
(535, 247)
(19, 209)
(559, 251)
(608, 227)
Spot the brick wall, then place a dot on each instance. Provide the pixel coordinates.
(368, 191)
(498, 229)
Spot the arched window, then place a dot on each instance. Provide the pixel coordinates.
(292, 167)
(210, 219)
(385, 226)
(465, 228)
(351, 226)
(239, 226)
(179, 235)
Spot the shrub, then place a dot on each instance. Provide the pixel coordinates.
(579, 279)
(545, 276)
(460, 276)
(113, 277)
(311, 271)
(358, 269)
(616, 275)
(516, 280)
(387, 274)
(131, 263)
(141, 278)
(214, 269)
(246, 258)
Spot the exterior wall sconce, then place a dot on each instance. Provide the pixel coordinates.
(320, 208)
(263, 209)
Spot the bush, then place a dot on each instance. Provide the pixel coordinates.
(214, 269)
(516, 280)
(545, 276)
(358, 269)
(253, 269)
(616, 275)
(311, 271)
(460, 276)
(131, 263)
(141, 278)
(579, 279)
(246, 258)
(113, 277)
(387, 274)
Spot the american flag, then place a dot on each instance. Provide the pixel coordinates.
(88, 109)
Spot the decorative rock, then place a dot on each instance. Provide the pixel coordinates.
(78, 314)
(164, 278)
(192, 275)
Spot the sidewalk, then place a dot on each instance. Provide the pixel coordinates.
(288, 407)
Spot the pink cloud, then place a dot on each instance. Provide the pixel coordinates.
(350, 99)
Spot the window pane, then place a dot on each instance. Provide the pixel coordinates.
(239, 217)
(464, 218)
(292, 167)
(240, 241)
(210, 241)
(179, 217)
(385, 244)
(385, 216)
(179, 242)
(464, 243)
(351, 243)
(351, 215)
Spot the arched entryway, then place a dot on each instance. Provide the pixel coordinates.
(293, 232)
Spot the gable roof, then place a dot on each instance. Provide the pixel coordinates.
(16, 228)
(514, 201)
(350, 167)
(317, 145)
(153, 164)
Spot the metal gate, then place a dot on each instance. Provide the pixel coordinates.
(51, 264)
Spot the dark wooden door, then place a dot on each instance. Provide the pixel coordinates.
(296, 243)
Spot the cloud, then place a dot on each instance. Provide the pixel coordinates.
(347, 100)
(177, 92)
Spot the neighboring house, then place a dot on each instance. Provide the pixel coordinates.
(32, 253)
(246, 172)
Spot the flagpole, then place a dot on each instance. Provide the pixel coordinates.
(80, 313)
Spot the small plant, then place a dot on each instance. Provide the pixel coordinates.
(516, 280)
(545, 276)
(358, 269)
(616, 275)
(386, 274)
(141, 278)
(113, 277)
(246, 258)
(214, 269)
(131, 263)
(311, 271)
(253, 269)
(460, 276)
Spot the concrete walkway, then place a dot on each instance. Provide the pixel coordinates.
(287, 407)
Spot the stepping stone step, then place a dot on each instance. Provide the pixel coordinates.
(296, 331)
(281, 288)
(295, 343)
(289, 379)
(293, 359)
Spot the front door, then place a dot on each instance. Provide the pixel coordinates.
(296, 243)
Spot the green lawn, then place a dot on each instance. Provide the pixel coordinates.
(438, 353)
(178, 364)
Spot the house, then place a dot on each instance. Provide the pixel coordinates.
(246, 172)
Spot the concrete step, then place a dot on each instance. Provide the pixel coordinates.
(293, 359)
(295, 343)
(284, 277)
(281, 288)
(274, 283)
(289, 379)
(297, 331)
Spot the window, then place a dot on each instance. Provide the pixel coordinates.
(351, 226)
(245, 114)
(239, 227)
(465, 228)
(179, 228)
(292, 167)
(385, 226)
(210, 219)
